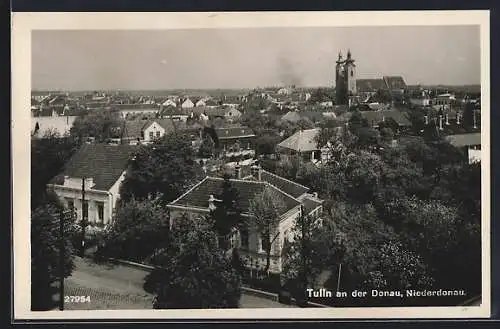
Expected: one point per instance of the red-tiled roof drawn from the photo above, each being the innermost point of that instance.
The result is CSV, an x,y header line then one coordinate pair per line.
x,y
199,194
102,162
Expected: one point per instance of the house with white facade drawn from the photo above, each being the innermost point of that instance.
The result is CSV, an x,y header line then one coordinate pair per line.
x,y
470,143
169,102
99,169
40,126
146,131
130,110
187,104
232,114
204,197
303,144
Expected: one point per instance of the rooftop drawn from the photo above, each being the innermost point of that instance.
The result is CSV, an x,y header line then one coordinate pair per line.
x,y
247,189
302,140
102,162
462,140
234,132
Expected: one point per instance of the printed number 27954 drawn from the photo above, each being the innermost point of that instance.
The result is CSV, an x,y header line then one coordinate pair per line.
x,y
77,299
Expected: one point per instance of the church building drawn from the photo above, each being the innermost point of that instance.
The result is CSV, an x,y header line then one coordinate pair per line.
x,y
345,80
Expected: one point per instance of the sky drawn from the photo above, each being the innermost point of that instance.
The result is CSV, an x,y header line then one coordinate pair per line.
x,y
250,57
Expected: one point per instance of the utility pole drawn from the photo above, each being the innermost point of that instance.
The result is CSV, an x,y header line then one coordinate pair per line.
x,y
339,241
84,221
61,261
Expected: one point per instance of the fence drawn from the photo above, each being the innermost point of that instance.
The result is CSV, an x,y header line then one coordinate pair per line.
x,y
246,290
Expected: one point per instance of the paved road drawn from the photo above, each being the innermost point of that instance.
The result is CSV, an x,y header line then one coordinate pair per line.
x,y
113,286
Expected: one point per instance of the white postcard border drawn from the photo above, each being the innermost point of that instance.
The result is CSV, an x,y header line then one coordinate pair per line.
x,y
24,23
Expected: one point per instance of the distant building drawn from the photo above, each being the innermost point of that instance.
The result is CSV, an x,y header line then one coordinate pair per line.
x,y
232,114
146,131
349,89
102,168
53,124
345,79
303,144
291,116
471,143
129,110
169,102
233,144
187,103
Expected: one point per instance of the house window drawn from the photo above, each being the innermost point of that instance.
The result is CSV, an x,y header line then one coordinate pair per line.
x,y
85,209
264,241
100,212
151,135
142,134
244,238
70,203
157,134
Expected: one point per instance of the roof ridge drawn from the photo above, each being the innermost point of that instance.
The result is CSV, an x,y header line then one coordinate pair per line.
x,y
285,179
281,191
189,190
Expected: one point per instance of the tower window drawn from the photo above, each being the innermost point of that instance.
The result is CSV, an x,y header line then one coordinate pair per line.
x,y
352,73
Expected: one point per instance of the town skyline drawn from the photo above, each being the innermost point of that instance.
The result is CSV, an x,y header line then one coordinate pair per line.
x,y
93,60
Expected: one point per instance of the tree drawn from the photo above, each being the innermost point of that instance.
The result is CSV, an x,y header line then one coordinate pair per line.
x,y
101,124
321,95
207,148
447,242
139,229
353,235
399,269
166,167
195,271
265,209
46,251
227,213
303,259
266,144
48,157
382,96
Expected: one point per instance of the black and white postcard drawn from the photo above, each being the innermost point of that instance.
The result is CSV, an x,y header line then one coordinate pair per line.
x,y
285,165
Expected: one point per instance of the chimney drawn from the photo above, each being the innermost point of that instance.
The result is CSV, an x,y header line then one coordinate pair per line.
x,y
458,118
257,172
211,202
440,122
237,171
447,118
426,118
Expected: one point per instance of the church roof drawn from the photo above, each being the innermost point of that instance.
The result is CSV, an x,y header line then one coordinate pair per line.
x,y
395,82
370,85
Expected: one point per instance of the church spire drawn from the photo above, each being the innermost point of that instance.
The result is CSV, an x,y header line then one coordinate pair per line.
x,y
349,54
340,58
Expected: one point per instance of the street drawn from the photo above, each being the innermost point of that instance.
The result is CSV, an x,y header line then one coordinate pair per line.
x,y
113,286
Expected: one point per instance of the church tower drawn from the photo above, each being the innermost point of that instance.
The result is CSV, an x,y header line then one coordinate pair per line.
x,y
350,74
340,87
345,79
